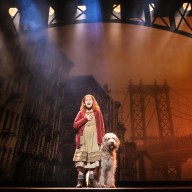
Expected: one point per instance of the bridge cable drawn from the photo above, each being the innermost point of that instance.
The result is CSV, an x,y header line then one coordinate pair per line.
x,y
181,112
182,96
181,117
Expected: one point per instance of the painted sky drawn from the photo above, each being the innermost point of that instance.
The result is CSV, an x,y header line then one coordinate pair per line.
x,y
117,53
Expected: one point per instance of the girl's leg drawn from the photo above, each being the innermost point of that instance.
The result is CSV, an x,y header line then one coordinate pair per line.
x,y
81,177
91,178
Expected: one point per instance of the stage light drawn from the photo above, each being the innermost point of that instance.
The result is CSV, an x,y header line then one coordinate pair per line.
x,y
187,5
117,8
82,8
13,11
51,11
151,6
80,13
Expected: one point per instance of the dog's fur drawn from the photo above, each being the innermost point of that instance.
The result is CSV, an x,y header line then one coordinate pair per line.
x,y
105,175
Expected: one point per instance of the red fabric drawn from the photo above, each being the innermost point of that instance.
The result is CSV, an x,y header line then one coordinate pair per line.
x,y
80,122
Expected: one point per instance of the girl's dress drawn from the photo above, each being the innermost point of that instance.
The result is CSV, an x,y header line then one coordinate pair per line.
x,y
88,155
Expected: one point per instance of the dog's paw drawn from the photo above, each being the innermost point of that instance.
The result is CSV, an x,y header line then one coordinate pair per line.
x,y
97,185
103,186
112,186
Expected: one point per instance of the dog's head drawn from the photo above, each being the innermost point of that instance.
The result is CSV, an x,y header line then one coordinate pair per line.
x,y
111,141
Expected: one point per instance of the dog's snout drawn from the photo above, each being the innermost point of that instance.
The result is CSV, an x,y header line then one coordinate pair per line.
x,y
112,144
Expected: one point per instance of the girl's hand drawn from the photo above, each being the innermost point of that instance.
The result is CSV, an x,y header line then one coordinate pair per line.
x,y
89,116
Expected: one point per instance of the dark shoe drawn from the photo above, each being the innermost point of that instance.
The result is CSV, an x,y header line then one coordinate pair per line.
x,y
80,183
91,183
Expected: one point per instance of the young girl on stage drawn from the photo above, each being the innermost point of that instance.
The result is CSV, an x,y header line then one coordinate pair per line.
x,y
90,131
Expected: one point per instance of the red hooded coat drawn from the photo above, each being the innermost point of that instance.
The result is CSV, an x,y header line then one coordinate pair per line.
x,y
80,122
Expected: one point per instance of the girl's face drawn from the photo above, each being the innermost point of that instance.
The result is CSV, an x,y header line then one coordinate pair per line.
x,y
88,102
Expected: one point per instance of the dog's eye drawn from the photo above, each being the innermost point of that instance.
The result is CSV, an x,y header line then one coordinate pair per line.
x,y
114,138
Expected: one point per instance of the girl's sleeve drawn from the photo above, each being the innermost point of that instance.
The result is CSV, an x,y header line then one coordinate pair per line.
x,y
79,120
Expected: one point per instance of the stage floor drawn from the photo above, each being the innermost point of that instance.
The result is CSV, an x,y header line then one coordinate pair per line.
x,y
135,189
136,186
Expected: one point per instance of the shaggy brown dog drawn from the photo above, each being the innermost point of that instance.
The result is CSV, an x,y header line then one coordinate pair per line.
x,y
105,175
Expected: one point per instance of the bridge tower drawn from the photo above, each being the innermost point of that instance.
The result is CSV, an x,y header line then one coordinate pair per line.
x,y
160,93
138,94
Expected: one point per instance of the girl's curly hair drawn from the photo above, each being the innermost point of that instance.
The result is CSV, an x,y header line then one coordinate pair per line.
x,y
95,104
